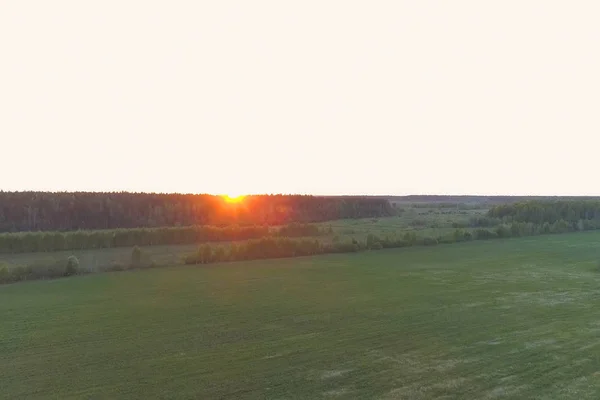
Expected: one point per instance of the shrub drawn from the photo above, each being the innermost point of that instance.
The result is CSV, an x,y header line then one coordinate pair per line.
x,y
389,242
560,226
72,266
517,229
220,254
460,235
447,239
136,257
410,238
206,254
203,255
4,274
401,243
377,246
418,222
19,273
546,227
297,230
484,234
504,231
371,240
428,241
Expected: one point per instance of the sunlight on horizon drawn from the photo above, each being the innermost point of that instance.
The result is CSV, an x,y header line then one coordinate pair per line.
x,y
233,198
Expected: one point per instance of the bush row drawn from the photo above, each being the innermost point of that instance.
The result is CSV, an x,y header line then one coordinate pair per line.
x,y
558,226
272,247
286,247
41,270
28,242
51,269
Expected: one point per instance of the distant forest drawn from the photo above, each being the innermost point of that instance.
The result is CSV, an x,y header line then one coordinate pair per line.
x,y
63,211
481,200
539,212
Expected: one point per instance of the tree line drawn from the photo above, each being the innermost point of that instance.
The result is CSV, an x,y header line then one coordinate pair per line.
x,y
68,211
574,212
274,247
27,242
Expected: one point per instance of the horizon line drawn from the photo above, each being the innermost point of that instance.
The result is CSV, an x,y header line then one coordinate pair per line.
x,y
301,194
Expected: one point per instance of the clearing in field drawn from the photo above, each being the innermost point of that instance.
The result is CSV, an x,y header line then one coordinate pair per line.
x,y
511,318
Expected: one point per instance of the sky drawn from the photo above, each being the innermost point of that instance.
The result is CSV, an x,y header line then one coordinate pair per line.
x,y
317,97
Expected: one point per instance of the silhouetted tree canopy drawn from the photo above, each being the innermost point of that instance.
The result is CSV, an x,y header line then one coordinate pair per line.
x,y
540,212
64,211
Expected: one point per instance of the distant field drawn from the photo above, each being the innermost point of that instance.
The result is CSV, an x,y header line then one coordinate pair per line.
x,y
514,318
426,221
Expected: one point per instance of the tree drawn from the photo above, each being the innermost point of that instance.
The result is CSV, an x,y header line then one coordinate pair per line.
x,y
136,257
72,267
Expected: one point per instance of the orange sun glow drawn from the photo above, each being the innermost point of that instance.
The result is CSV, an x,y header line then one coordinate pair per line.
x,y
233,198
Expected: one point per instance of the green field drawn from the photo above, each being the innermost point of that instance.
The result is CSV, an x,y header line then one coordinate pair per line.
x,y
516,318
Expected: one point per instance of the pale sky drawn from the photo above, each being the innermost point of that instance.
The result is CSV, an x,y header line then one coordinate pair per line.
x,y
321,97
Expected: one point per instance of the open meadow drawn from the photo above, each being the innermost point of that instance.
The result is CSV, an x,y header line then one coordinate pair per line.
x,y
510,319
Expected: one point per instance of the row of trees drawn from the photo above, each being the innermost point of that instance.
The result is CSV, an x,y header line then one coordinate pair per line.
x,y
46,211
518,229
287,247
545,226
26,242
539,212
273,247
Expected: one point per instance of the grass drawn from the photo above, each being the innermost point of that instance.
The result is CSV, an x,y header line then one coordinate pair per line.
x,y
513,318
425,222
98,259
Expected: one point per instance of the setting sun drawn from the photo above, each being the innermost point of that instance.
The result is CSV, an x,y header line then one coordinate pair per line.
x,y
233,198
